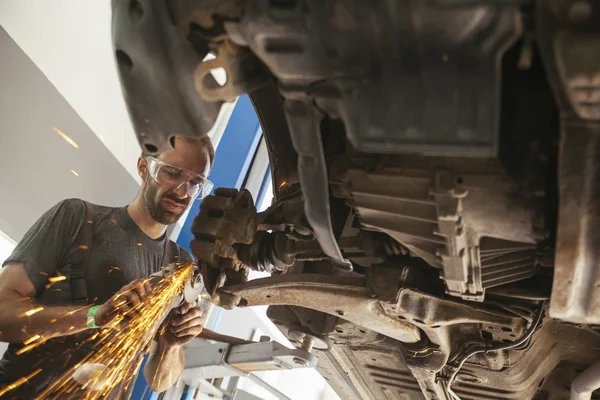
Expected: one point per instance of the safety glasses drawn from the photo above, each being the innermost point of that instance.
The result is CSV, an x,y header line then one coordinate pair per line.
x,y
174,178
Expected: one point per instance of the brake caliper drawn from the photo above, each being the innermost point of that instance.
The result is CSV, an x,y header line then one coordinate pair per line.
x,y
226,220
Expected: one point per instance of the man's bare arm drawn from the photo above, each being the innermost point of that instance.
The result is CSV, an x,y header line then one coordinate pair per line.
x,y
164,365
16,326
20,319
167,360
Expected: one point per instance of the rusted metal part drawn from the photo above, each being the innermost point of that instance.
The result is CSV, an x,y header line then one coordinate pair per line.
x,y
441,212
278,251
347,298
203,23
226,220
304,121
378,303
286,214
143,30
241,76
569,40
393,313
429,311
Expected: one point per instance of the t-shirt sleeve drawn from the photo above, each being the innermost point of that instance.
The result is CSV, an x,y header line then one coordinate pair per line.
x,y
47,242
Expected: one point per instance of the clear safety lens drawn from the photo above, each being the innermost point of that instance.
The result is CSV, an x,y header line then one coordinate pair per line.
x,y
175,177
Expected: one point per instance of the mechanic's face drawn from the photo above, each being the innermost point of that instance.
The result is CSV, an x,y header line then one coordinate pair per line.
x,y
166,205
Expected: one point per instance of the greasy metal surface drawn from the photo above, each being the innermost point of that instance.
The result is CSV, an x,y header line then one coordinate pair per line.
x,y
226,218
240,80
316,50
158,90
368,367
283,158
569,37
478,227
443,60
304,119
428,310
347,298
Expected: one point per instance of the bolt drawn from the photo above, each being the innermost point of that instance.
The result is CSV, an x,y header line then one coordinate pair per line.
x,y
308,343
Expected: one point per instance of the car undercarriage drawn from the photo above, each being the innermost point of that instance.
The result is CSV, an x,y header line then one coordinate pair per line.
x,y
436,168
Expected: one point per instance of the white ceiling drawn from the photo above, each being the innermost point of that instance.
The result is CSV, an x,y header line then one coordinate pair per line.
x,y
70,41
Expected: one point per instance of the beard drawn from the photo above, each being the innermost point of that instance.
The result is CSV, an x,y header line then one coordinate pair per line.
x,y
157,210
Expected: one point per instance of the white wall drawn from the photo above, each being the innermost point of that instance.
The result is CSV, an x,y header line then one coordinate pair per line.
x,y
36,162
70,41
6,247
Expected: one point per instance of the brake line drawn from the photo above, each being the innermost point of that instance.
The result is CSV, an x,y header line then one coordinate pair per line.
x,y
523,339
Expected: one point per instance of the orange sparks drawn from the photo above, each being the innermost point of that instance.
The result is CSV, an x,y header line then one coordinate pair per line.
x,y
76,310
44,273
82,247
29,347
139,244
24,299
89,221
54,279
67,139
114,221
53,320
29,313
119,350
32,339
19,382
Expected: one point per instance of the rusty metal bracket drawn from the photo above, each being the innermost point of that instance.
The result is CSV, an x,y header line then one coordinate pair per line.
x,y
347,298
569,41
397,314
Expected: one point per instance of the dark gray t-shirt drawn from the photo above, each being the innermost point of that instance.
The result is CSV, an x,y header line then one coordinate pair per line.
x,y
120,253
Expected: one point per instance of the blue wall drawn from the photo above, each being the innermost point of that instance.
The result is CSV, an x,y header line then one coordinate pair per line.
x,y
232,159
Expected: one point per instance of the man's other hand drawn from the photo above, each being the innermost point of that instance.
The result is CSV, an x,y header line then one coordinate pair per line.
x,y
183,325
125,302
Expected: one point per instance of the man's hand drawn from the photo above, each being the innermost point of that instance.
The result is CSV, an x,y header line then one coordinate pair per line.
x,y
125,302
183,325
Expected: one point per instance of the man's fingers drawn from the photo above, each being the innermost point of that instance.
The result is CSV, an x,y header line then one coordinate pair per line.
x,y
188,316
126,303
186,325
147,286
192,331
186,307
140,290
183,340
133,299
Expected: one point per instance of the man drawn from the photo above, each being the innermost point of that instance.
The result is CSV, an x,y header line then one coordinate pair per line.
x,y
127,245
